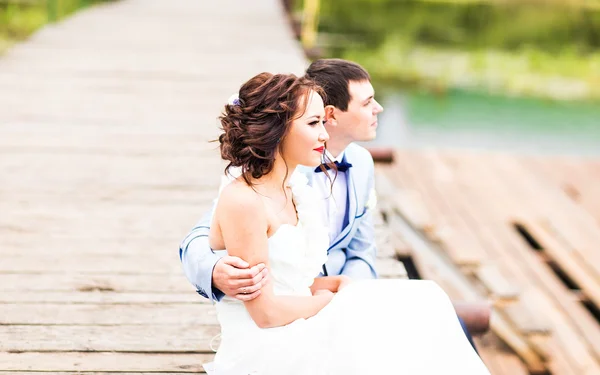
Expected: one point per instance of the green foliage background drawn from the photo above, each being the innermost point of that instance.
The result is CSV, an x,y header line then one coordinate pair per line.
x,y
549,50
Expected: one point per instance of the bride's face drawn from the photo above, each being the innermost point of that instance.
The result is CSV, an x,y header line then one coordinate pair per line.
x,y
304,144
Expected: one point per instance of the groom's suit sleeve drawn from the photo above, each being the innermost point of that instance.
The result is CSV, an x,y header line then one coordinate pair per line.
x,y
362,251
199,260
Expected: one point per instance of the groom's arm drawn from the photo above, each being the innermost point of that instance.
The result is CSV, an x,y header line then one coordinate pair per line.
x,y
199,260
362,251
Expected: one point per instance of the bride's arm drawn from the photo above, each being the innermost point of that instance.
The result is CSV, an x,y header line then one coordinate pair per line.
x,y
242,220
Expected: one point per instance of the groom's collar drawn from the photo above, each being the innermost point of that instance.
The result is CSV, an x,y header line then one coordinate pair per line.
x,y
339,158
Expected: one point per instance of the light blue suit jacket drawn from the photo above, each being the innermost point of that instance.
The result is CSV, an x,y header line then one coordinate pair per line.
x,y
352,253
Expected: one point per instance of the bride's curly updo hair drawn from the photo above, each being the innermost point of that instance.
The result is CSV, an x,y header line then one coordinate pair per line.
x,y
257,121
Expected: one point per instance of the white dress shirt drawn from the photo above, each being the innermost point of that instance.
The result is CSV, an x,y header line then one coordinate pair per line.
x,y
334,207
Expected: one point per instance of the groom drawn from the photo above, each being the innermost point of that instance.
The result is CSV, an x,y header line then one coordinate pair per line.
x,y
351,116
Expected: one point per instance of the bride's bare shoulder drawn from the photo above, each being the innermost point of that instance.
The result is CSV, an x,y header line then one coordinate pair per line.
x,y
240,199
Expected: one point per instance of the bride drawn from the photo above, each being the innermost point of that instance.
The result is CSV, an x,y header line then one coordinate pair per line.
x,y
269,214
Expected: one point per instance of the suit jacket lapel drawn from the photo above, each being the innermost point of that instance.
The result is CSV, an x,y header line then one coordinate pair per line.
x,y
351,205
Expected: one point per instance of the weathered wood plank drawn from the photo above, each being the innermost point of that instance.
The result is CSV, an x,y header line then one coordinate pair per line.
x,y
498,284
526,321
99,297
107,314
93,373
45,282
390,268
516,199
154,263
119,338
103,362
564,257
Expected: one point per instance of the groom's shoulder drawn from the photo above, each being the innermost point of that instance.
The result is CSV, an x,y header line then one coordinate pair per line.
x,y
359,155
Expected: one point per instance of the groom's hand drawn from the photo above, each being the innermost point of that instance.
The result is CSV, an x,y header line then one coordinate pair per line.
x,y
237,279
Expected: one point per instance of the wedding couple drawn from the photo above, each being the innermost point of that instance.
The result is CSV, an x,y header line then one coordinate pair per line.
x,y
296,291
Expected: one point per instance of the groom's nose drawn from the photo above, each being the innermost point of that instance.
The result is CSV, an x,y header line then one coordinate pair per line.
x,y
378,107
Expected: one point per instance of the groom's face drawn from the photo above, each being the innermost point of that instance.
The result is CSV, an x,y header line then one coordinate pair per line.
x,y
359,122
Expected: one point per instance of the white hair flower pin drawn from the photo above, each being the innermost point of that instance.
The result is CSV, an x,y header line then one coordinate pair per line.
x,y
234,100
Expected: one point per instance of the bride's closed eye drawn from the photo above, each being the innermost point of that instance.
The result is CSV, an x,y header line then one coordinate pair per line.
x,y
316,122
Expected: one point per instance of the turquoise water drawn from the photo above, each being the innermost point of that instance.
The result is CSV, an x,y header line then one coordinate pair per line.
x,y
477,121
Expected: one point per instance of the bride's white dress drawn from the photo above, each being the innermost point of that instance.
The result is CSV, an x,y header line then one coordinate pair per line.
x,y
370,327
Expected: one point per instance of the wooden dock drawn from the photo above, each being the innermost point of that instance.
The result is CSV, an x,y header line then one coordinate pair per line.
x,y
106,163
521,231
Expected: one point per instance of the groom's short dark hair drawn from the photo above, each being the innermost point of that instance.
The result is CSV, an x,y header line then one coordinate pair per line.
x,y
334,75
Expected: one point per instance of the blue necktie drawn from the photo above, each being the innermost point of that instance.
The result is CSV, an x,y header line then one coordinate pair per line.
x,y
341,166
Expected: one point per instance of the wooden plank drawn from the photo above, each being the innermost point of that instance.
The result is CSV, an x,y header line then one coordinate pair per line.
x,y
93,373
107,314
497,275
535,362
580,236
383,236
558,361
497,283
401,247
524,319
103,362
488,356
531,270
513,197
438,268
510,365
460,242
120,338
581,356
410,183
98,297
69,139
408,200
390,268
564,257
568,219
577,179
142,283
555,297
159,263
97,171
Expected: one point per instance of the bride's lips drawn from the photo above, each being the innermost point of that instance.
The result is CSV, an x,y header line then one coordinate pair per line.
x,y
319,149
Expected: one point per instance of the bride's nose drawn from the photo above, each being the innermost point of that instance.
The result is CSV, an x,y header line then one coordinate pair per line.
x,y
323,137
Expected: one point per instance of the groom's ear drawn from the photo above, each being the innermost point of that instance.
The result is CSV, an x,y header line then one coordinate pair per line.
x,y
330,116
